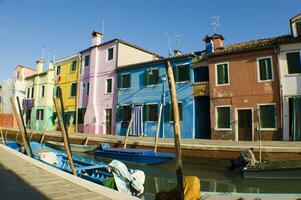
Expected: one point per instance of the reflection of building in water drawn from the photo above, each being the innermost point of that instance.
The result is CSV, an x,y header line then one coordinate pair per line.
x,y
213,185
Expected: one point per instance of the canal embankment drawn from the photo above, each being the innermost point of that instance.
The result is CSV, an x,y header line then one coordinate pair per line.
x,y
225,149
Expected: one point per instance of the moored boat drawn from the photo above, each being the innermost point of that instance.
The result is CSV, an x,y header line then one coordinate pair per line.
x,y
74,147
141,156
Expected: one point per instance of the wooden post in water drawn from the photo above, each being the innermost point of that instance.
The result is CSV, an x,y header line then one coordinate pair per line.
x,y
127,131
158,128
23,134
177,128
65,134
259,133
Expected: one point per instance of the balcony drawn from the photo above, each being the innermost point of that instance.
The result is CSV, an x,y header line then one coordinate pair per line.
x,y
201,88
28,104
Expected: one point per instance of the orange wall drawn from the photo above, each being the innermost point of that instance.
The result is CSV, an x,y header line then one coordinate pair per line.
x,y
8,121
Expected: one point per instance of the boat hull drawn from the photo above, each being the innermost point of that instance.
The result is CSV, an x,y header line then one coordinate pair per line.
x,y
74,147
281,173
141,156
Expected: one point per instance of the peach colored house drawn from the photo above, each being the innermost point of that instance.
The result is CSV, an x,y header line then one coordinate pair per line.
x,y
244,90
98,83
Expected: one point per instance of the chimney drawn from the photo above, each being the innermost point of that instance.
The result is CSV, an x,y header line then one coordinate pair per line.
x,y
295,25
177,52
39,66
208,44
96,38
218,41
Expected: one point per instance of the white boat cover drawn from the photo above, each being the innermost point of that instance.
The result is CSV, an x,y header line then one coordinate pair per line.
x,y
127,181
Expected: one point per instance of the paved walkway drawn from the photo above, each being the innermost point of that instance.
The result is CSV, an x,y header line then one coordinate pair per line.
x,y
20,179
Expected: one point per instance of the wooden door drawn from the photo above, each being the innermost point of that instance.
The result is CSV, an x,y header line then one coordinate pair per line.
x,y
109,121
245,125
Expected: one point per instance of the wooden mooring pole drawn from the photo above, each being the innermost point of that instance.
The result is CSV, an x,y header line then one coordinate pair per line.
x,y
177,128
64,133
127,131
20,124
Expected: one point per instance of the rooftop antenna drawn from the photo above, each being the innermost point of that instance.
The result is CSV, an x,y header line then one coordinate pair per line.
x,y
53,58
169,43
177,41
103,28
215,22
48,57
43,52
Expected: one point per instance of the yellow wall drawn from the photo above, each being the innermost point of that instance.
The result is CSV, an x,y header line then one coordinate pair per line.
x,y
67,77
129,55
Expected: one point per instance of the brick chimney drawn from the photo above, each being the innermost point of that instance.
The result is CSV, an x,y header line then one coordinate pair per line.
x,y
96,38
39,66
218,41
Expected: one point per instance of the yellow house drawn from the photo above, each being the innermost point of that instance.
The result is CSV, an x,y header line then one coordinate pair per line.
x,y
66,74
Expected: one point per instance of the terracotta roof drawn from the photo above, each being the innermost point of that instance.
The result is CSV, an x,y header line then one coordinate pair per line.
x,y
255,44
44,72
197,53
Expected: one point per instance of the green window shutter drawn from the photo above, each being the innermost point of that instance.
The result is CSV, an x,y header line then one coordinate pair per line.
x,y
223,117
146,78
119,81
222,74
293,62
180,111
167,113
176,73
129,80
146,113
267,116
156,76
265,69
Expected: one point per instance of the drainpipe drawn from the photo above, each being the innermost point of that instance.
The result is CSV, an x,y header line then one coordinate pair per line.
x,y
77,92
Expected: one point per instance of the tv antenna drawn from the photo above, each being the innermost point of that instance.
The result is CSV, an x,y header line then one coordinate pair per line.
x,y
177,41
103,27
215,22
169,43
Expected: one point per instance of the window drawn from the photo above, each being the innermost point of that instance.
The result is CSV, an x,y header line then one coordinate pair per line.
x,y
124,81
18,74
28,93
87,88
58,70
182,73
73,66
57,90
293,62
298,28
109,86
110,53
125,113
265,68
87,60
151,112
42,91
169,114
40,114
267,116
223,117
151,77
73,90
81,115
222,74
32,92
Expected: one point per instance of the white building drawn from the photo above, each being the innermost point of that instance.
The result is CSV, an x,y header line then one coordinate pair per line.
x,y
290,76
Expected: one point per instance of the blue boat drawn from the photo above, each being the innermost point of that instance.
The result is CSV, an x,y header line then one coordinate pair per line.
x,y
141,156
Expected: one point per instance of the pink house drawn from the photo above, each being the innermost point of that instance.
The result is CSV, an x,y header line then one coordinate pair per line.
x,y
98,82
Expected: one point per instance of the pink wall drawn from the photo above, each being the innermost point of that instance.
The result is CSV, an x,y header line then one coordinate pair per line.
x,y
96,74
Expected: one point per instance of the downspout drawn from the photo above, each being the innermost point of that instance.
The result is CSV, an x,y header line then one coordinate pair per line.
x,y
77,92
277,52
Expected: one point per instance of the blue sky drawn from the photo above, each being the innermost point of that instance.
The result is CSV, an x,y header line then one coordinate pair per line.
x,y
63,27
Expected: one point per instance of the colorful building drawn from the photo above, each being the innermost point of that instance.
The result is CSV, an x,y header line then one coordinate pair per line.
x,y
143,88
98,88
244,89
38,104
290,75
66,76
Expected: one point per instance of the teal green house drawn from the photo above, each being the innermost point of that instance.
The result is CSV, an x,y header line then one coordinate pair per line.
x,y
38,103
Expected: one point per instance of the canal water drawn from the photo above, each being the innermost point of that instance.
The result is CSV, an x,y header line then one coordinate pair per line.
x,y
214,176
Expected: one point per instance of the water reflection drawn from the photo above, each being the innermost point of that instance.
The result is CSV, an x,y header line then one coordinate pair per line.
x,y
214,178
